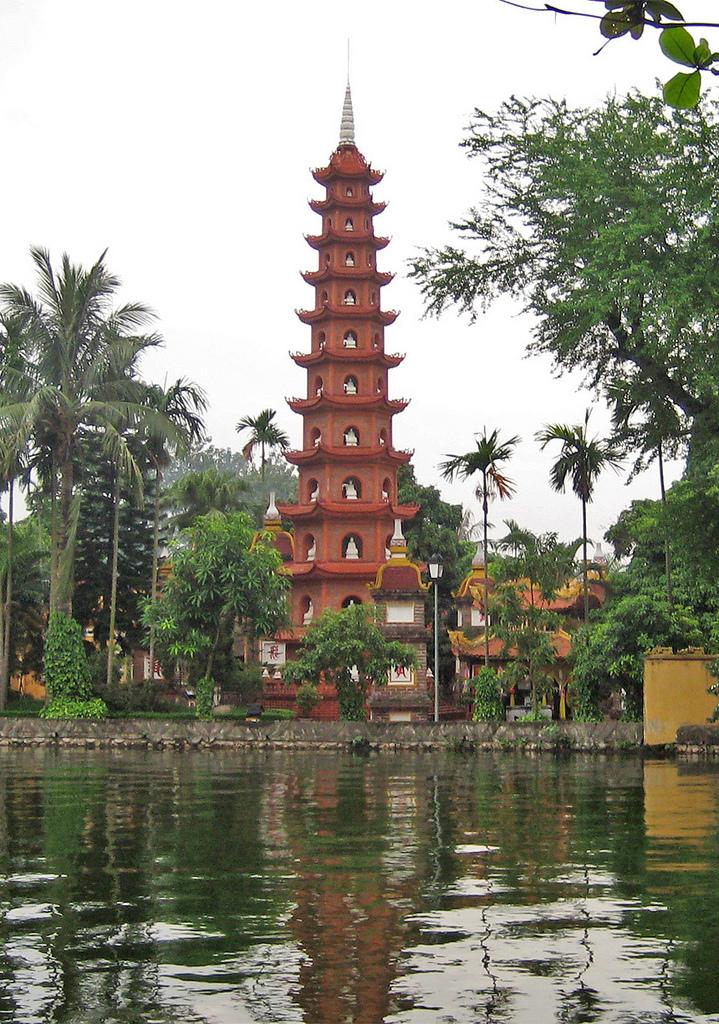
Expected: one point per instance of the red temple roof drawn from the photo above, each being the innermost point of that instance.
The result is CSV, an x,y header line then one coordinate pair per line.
x,y
342,508
350,355
380,453
359,202
334,235
349,402
327,272
346,162
328,312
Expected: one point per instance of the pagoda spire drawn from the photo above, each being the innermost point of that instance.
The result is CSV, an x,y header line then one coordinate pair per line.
x,y
347,124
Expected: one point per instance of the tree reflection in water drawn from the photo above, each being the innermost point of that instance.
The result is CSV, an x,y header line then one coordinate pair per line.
x,y
315,888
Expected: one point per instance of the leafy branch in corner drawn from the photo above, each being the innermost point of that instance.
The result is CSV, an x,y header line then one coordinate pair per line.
x,y
630,18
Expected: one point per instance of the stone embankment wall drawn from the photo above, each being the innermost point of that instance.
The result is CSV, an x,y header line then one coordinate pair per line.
x,y
304,734
698,740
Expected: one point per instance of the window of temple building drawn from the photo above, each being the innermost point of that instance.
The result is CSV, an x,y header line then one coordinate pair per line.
x,y
324,297
327,259
310,548
350,386
321,339
380,385
349,191
313,490
351,437
349,226
386,489
316,436
351,489
352,547
349,601
306,609
350,299
375,341
373,298
400,611
477,617
350,340
382,438
319,384
349,259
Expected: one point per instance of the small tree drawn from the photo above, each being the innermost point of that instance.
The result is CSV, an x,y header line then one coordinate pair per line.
x,y
488,705
220,576
528,577
350,651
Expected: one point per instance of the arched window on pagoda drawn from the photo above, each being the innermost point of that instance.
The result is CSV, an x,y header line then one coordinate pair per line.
x,y
370,259
380,385
306,609
350,386
313,490
351,437
352,547
350,340
375,341
350,298
352,599
321,339
327,259
373,299
382,438
310,548
324,299
349,226
386,489
351,489
319,385
349,191
316,437
349,259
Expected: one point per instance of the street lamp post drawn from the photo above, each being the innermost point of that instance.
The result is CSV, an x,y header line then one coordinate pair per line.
x,y
436,568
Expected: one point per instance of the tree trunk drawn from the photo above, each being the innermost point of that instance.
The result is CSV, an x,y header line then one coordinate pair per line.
x,y
485,511
585,582
5,663
213,651
113,585
667,548
65,554
262,465
155,559
53,536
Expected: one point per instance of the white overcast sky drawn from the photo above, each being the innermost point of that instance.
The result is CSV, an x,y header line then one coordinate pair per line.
x,y
179,135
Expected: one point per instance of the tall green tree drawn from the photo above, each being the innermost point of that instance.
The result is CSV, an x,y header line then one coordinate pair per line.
x,y
349,650
264,434
601,222
200,493
80,372
485,462
581,460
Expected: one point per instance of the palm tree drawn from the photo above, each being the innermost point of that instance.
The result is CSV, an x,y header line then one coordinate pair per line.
x,y
199,494
581,459
182,404
265,434
658,434
485,461
80,372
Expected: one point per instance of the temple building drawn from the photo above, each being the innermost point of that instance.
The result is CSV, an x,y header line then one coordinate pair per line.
x,y
347,546
468,639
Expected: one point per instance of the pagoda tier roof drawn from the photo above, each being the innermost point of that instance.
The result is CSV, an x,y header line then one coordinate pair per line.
x,y
332,235
341,509
473,647
349,402
322,453
344,567
327,273
354,202
347,355
313,316
347,162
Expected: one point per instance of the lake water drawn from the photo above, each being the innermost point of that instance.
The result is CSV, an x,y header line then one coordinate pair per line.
x,y
407,889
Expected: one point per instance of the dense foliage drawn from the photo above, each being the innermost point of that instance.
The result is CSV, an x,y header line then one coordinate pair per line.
x,y
66,669
348,649
219,578
488,706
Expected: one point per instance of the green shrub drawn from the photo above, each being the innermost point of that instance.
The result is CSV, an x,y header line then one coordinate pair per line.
x,y
308,697
67,707
131,697
488,705
204,690
244,679
66,669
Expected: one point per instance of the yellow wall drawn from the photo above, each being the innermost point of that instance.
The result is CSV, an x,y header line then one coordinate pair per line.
x,y
29,685
675,693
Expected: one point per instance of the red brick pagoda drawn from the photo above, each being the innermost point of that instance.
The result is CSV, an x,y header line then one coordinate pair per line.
x,y
344,520
347,466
